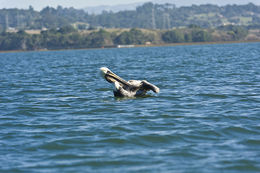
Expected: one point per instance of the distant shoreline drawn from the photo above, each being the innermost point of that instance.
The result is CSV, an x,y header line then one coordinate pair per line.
x,y
135,46
197,43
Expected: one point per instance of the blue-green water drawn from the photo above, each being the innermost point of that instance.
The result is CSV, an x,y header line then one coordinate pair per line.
x,y
58,115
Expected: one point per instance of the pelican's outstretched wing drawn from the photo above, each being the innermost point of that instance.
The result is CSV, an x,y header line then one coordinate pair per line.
x,y
148,86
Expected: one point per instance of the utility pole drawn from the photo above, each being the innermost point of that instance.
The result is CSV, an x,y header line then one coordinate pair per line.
x,y
153,19
6,22
18,20
166,20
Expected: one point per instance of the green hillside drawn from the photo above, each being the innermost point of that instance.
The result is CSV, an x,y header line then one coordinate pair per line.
x,y
149,16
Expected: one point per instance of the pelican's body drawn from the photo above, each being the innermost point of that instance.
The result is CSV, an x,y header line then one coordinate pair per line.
x,y
131,88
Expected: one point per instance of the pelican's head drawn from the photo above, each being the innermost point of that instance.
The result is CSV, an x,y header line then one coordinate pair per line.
x,y
104,71
110,76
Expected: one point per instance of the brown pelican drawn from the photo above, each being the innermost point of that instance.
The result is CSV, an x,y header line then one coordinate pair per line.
x,y
131,88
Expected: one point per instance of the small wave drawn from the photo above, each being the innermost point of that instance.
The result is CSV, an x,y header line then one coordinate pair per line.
x,y
218,96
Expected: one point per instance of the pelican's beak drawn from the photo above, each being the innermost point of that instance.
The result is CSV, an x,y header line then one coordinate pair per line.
x,y
110,76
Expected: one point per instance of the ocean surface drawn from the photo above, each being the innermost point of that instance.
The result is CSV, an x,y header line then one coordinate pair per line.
x,y
57,114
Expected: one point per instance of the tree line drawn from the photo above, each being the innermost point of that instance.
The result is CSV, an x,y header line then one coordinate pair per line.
x,y
68,37
148,15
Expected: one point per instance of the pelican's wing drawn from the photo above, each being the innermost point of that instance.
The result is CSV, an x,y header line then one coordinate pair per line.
x,y
148,86
120,91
